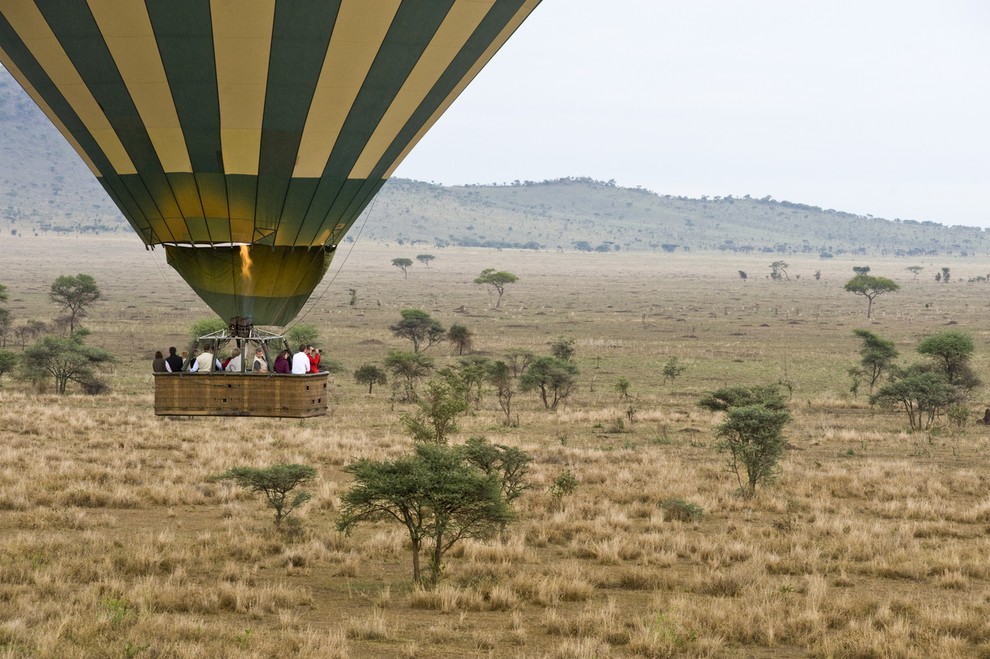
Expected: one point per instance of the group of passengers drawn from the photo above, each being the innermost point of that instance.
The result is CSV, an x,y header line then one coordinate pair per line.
x,y
307,360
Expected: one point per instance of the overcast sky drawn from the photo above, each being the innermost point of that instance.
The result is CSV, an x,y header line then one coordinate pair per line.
x,y
876,107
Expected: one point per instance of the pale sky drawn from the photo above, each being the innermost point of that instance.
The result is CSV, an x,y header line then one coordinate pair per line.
x,y
876,107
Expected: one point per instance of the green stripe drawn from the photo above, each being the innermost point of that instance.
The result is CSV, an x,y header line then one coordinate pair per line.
x,y
410,33
185,41
487,31
122,197
298,198
356,202
351,203
300,35
42,83
338,213
81,39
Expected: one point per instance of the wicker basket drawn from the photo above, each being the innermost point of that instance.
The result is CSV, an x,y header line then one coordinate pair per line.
x,y
240,394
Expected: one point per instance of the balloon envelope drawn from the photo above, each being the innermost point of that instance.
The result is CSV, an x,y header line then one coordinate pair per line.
x,y
248,135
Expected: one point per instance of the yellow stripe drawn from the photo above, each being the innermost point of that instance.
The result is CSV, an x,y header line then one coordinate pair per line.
x,y
503,36
33,93
242,41
358,33
457,27
33,30
127,31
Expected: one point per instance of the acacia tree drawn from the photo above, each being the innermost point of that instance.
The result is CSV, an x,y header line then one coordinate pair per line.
x,y
419,327
66,359
370,375
922,394
877,355
275,482
753,435
914,270
778,270
469,376
303,334
519,359
408,368
436,418
8,361
5,318
404,265
461,337
497,280
951,351
673,369
622,386
554,378
510,465
436,493
74,294
563,348
871,287
500,377
32,329
425,259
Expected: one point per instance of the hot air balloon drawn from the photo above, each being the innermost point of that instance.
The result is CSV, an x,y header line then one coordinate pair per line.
x,y
246,136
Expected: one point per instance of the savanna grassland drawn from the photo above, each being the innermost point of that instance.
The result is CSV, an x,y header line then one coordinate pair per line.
x,y
873,542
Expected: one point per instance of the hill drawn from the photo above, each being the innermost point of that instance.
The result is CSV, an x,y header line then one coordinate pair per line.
x,y
45,187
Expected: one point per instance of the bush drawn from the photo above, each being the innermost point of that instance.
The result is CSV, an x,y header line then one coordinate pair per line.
x,y
205,326
726,398
681,510
563,485
752,434
302,334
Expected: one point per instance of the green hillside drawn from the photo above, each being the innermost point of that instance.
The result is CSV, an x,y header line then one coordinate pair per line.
x,y
579,213
44,186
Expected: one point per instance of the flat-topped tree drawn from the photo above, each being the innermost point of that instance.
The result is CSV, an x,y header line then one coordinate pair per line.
x,y
425,259
74,293
419,327
404,265
871,287
497,280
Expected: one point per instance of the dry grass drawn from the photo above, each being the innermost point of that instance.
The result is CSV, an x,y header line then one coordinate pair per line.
x,y
872,543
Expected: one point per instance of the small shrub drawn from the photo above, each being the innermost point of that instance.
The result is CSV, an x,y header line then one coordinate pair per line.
x,y
681,510
563,485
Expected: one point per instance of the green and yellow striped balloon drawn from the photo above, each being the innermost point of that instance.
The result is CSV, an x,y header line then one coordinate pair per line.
x,y
246,136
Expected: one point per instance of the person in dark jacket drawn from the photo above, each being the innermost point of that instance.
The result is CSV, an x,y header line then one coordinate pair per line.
x,y
158,365
282,363
173,363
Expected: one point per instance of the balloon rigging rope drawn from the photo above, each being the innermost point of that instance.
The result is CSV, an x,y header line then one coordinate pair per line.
x,y
326,288
161,271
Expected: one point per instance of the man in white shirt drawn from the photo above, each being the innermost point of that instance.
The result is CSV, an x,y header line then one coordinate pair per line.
x,y
204,363
300,362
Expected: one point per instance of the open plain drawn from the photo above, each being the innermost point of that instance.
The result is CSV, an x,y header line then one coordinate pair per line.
x,y
873,542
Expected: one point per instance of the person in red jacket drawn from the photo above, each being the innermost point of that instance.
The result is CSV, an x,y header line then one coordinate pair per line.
x,y
314,359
